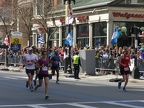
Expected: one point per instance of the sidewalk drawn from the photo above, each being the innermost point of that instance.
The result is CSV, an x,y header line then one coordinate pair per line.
x,y
105,77
84,76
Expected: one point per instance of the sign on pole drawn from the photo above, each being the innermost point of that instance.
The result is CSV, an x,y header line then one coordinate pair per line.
x,y
16,41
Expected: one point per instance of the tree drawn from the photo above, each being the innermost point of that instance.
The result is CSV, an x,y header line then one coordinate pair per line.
x,y
45,11
7,16
25,15
7,19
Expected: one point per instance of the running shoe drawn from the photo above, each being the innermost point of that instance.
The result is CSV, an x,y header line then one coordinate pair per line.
x,y
36,87
57,81
46,96
34,82
119,85
26,84
31,88
124,89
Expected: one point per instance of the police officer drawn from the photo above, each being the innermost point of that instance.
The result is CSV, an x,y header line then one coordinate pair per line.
x,y
76,64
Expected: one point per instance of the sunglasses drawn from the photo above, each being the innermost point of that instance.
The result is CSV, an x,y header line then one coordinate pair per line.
x,y
44,54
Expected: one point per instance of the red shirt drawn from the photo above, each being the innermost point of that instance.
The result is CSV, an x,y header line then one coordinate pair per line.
x,y
125,60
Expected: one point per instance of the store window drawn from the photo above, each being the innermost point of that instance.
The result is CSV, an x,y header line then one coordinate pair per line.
x,y
99,34
141,1
54,37
127,37
82,35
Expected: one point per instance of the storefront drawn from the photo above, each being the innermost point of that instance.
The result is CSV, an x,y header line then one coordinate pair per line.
x,y
95,26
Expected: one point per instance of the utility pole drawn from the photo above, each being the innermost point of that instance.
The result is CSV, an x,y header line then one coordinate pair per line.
x,y
69,13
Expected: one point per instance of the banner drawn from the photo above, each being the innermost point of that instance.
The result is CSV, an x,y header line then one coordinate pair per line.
x,y
16,41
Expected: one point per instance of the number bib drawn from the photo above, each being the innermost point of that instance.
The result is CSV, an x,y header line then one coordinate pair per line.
x,y
126,69
30,63
44,68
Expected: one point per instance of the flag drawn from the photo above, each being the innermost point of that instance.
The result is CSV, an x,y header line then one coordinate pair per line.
x,y
70,19
115,35
69,39
6,40
40,39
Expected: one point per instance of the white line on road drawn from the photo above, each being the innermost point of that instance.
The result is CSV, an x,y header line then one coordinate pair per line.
x,y
79,105
124,105
36,106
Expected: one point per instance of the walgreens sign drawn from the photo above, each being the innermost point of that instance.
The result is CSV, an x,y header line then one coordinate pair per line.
x,y
127,15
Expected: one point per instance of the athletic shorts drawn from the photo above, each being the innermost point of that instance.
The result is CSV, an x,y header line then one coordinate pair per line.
x,y
55,68
122,71
36,69
30,71
41,76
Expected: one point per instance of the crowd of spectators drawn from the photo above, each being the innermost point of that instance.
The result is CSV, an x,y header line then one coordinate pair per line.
x,y
105,52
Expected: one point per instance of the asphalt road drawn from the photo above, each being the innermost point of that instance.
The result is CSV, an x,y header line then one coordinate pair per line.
x,y
70,93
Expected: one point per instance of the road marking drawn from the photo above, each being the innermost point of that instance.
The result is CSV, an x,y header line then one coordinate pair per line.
x,y
36,106
80,105
124,105
9,77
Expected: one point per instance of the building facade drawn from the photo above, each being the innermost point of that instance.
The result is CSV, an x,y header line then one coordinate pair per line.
x,y
96,21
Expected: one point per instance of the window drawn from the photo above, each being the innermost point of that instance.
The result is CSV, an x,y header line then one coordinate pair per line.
x,y
38,7
140,1
100,29
83,30
126,36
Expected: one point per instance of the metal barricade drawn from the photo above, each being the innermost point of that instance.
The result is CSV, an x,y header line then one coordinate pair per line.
x,y
103,64
140,64
12,60
2,59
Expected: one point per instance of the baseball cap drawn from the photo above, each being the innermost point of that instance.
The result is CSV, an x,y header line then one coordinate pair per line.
x,y
30,48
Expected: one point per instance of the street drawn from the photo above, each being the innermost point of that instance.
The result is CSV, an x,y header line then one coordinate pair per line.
x,y
70,93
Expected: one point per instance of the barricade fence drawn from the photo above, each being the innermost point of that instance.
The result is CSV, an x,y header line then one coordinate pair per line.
x,y
12,60
106,64
101,64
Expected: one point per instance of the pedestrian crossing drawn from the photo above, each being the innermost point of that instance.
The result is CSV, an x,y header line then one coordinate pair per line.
x,y
99,104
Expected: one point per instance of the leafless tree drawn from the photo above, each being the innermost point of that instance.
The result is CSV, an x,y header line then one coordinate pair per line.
x,y
7,16
45,12
25,16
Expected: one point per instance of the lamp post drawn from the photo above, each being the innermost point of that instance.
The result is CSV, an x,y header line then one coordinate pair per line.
x,y
68,14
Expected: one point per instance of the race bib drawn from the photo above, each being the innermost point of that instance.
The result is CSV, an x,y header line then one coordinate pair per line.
x,y
30,63
44,68
126,69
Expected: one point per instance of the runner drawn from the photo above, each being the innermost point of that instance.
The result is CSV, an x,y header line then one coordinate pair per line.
x,y
36,69
43,64
55,59
124,61
29,60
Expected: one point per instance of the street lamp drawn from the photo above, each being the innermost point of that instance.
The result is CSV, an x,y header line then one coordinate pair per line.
x,y
68,2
